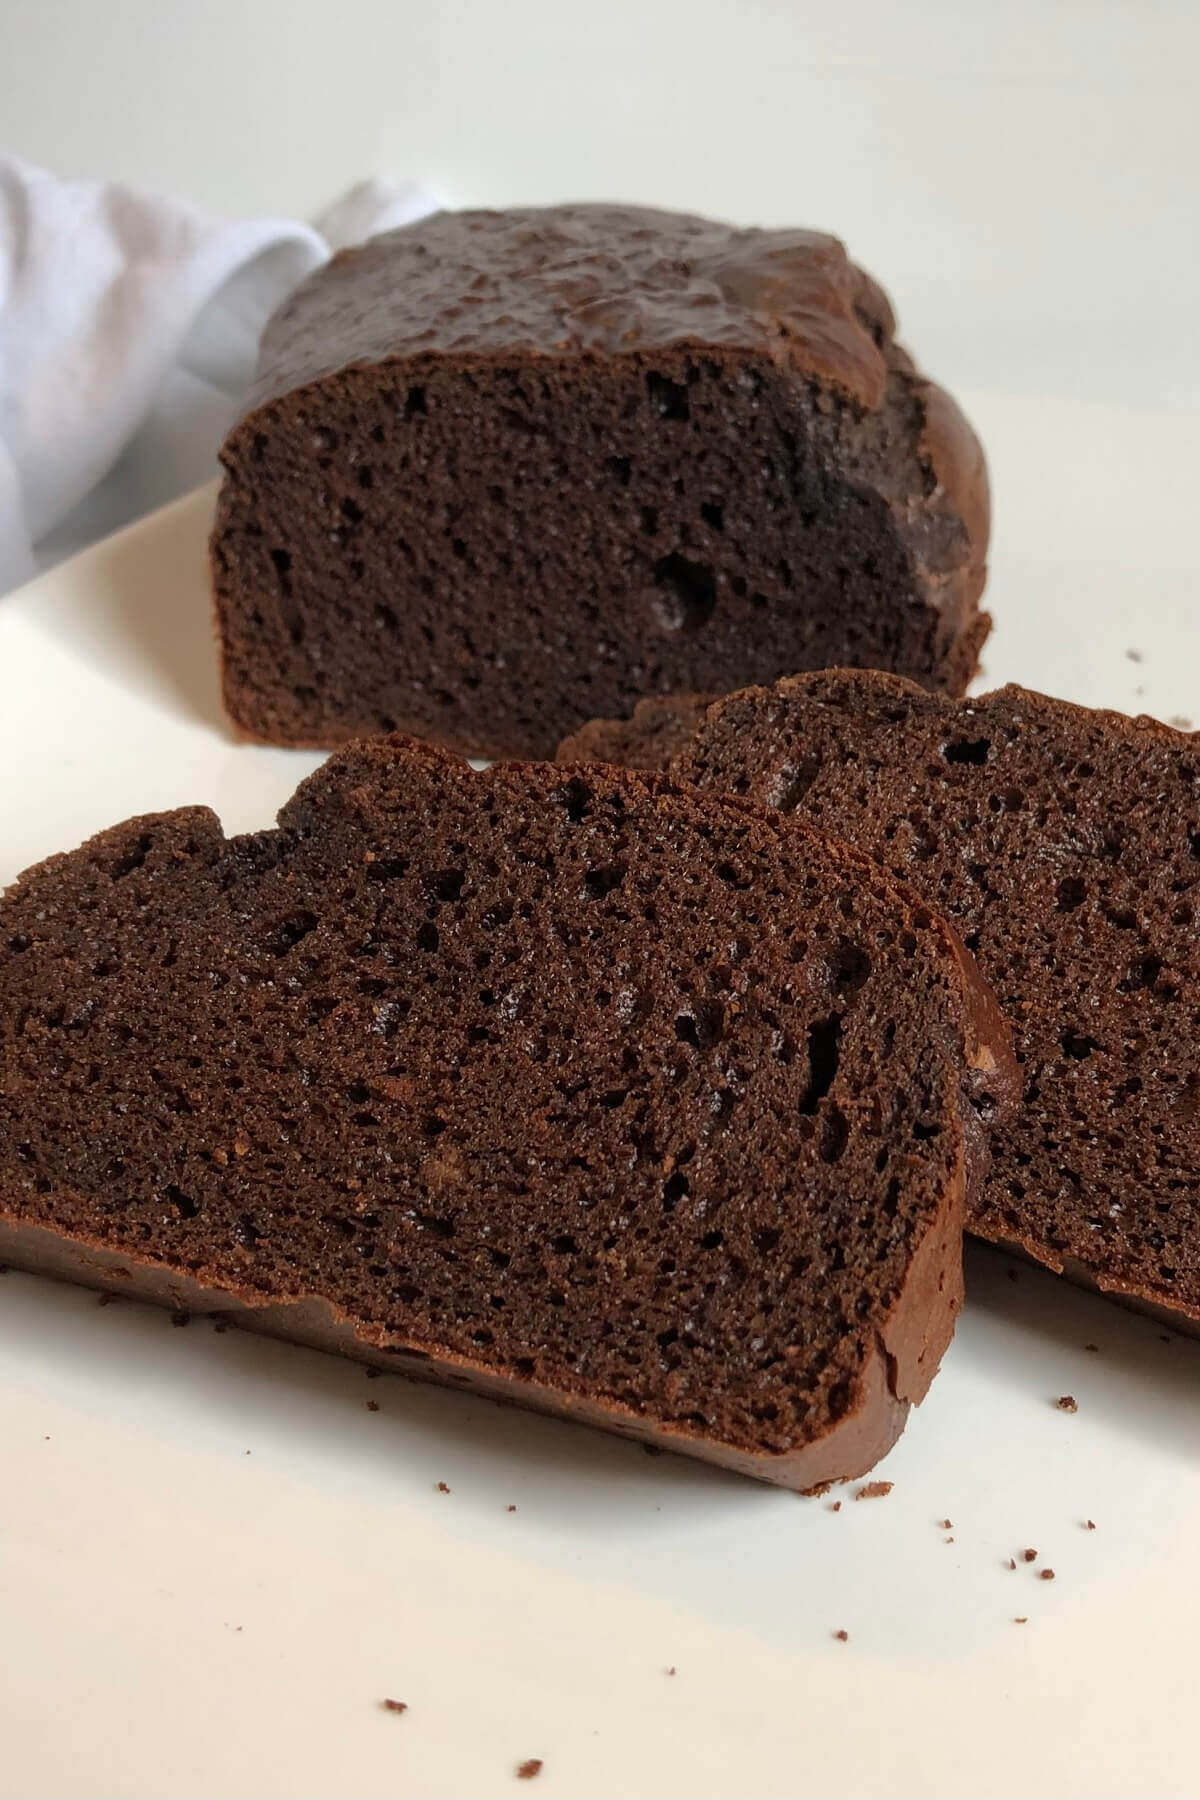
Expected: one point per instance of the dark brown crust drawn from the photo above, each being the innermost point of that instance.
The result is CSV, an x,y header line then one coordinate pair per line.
x,y
957,462
911,1333
520,283
908,1350
962,660
895,1377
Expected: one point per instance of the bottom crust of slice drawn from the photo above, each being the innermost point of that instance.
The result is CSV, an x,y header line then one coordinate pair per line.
x,y
853,1447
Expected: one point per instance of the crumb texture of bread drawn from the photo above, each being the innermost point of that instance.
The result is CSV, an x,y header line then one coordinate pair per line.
x,y
600,1095
1064,845
504,472
656,731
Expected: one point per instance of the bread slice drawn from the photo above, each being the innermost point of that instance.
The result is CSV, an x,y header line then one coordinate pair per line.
x,y
1064,844
584,1091
504,471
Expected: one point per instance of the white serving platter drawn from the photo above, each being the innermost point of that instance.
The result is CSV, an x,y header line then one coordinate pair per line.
x,y
216,1562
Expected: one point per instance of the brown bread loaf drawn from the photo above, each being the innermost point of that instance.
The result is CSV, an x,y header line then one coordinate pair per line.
x,y
503,472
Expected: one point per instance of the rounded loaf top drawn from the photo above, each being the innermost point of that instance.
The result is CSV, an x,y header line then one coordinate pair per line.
x,y
580,279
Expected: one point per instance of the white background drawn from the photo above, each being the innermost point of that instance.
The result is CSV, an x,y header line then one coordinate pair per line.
x,y
1021,176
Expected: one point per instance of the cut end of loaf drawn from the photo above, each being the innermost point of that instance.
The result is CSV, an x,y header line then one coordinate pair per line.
x,y
453,450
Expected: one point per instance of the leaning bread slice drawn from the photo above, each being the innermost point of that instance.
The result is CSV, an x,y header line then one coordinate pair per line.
x,y
579,1089
1064,844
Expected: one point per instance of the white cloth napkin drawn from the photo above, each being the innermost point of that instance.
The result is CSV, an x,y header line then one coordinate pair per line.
x,y
128,330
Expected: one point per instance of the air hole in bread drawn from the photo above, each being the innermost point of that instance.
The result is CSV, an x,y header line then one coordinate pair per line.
x,y
967,750
686,595
669,399
823,1054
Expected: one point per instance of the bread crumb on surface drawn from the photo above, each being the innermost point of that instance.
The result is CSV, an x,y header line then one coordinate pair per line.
x,y
529,1768
874,1490
1012,1274
372,1406
1089,1524
1094,1348
671,1670
946,1524
1046,1574
1134,655
181,1318
843,1637
1067,1403
1029,1555
835,1506
948,1540
1024,1621
1012,1562
442,1488
510,1507
394,1705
